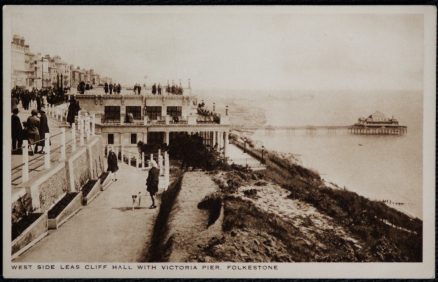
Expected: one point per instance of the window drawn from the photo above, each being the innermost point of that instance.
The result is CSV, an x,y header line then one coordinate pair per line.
x,y
112,113
134,110
133,138
174,112
110,138
153,113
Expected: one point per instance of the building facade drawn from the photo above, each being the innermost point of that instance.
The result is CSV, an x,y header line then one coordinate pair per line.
x,y
20,68
156,119
30,70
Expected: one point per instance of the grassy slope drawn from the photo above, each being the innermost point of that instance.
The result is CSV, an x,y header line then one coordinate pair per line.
x,y
400,240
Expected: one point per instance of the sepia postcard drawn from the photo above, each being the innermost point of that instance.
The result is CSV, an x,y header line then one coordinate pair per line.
x,y
219,141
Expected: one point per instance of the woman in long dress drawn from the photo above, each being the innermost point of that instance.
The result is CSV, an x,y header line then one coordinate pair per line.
x,y
112,163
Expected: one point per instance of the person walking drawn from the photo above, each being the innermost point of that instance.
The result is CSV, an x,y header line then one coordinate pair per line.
x,y
43,129
111,88
152,182
38,102
14,102
17,131
71,111
26,100
33,134
105,87
112,163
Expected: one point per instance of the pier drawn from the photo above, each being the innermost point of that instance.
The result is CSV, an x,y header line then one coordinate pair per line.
x,y
378,130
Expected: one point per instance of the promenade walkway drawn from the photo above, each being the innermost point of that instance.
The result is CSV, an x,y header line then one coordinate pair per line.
x,y
36,162
107,230
237,156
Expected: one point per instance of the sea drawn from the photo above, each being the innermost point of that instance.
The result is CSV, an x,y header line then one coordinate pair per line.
x,y
384,168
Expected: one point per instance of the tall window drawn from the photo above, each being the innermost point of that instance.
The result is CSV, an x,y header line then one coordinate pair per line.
x,y
133,138
110,138
174,112
134,110
154,112
112,113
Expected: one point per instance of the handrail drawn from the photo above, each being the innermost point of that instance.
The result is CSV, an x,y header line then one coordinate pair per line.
x,y
36,163
22,147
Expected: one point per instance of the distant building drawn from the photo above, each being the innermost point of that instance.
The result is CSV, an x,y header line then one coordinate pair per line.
x,y
34,70
21,68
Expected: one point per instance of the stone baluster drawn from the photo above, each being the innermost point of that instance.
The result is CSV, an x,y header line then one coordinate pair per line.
x,y
62,144
47,155
160,164
81,132
25,168
73,137
166,167
93,128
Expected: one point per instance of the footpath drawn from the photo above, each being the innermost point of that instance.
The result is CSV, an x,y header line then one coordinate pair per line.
x,y
107,230
36,162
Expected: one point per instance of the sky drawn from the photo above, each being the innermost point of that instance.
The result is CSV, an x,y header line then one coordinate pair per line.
x,y
233,49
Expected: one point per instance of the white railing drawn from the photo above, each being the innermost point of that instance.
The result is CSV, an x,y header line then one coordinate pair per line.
x,y
86,128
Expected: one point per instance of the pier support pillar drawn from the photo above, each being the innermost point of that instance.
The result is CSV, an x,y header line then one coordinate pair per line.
x,y
145,137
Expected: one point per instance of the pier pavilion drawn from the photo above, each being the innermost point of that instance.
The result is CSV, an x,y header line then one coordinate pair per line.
x,y
123,120
378,124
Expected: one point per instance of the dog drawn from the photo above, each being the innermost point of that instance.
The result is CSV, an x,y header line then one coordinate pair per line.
x,y
136,198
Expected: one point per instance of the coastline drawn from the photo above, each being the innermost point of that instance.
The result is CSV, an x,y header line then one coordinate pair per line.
x,y
286,213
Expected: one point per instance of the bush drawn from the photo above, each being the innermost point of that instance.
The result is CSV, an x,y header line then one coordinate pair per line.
x,y
193,153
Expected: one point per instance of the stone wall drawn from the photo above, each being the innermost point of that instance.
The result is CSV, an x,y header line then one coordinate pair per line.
x,y
80,171
52,189
41,193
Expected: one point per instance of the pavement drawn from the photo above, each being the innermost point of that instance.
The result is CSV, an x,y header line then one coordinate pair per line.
x,y
106,230
237,156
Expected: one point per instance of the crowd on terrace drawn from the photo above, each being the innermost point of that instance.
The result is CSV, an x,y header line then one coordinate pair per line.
x,y
157,89
42,97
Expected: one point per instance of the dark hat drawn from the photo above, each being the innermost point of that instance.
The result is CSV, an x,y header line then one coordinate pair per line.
x,y
34,112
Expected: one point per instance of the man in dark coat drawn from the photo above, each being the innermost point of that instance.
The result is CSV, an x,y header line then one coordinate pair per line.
x,y
152,182
71,111
111,88
154,89
17,131
25,100
39,102
14,102
112,163
32,125
105,87
43,129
